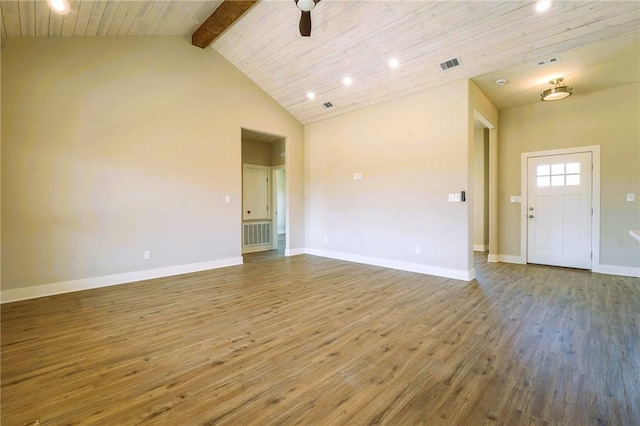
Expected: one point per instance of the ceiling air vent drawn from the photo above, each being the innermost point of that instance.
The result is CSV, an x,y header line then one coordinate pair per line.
x,y
451,63
327,105
549,61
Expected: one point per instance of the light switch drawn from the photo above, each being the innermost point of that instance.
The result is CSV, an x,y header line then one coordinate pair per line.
x,y
454,198
631,196
357,176
227,199
516,199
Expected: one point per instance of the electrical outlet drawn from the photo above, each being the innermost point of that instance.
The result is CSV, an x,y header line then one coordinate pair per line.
x,y
631,196
417,249
147,254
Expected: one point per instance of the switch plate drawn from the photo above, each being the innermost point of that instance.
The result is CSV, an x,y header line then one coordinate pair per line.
x,y
631,196
357,176
147,254
516,199
417,249
227,199
454,198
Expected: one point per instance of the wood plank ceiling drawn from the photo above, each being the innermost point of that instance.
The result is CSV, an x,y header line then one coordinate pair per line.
x,y
354,39
96,18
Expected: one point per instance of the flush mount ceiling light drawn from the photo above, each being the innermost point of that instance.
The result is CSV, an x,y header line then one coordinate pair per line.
x,y
558,92
311,95
394,63
347,81
61,7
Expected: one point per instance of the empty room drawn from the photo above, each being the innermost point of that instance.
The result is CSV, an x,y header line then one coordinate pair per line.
x,y
316,212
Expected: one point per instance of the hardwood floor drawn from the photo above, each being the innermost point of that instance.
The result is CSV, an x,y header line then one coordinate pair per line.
x,y
314,341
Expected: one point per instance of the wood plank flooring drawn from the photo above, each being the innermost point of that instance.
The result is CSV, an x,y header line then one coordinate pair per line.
x,y
314,341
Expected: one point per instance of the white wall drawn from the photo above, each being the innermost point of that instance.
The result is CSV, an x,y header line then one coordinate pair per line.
x,y
115,146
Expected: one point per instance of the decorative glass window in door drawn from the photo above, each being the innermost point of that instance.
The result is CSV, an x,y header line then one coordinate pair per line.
x,y
560,174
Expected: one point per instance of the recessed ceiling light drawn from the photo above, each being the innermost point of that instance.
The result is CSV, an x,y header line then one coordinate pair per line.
x,y
394,63
311,95
543,5
60,7
347,81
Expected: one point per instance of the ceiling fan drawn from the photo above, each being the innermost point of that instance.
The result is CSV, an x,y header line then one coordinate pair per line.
x,y
306,6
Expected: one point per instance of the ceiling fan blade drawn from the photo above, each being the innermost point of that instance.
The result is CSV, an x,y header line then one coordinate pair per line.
x,y
305,24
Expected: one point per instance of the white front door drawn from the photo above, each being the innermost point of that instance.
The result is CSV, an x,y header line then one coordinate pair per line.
x,y
559,210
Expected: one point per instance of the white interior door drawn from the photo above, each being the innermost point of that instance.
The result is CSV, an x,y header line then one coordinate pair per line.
x,y
255,192
559,209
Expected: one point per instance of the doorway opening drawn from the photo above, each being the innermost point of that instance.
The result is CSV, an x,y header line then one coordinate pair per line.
x,y
481,188
484,182
264,193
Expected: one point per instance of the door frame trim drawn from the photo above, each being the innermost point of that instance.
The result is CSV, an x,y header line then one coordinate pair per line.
x,y
274,202
595,197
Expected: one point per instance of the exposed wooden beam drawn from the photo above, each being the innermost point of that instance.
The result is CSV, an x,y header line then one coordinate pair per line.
x,y
221,19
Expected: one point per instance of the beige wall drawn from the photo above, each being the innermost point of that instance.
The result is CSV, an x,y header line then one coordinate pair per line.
x,y
1,47
411,153
256,152
263,153
278,153
116,146
607,118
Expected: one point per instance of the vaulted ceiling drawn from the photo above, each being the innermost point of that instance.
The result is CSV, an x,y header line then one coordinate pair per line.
x,y
595,43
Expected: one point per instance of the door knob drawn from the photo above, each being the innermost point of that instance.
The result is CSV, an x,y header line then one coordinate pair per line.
x,y
530,216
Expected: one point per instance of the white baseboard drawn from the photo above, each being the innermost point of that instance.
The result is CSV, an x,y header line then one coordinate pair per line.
x,y
33,292
506,258
625,271
255,249
294,252
480,247
395,264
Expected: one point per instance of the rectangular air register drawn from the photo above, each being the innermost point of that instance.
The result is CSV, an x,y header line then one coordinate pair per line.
x,y
327,105
451,63
256,233
549,61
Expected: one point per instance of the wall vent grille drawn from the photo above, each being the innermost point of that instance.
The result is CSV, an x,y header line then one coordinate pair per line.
x,y
327,105
256,233
451,63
